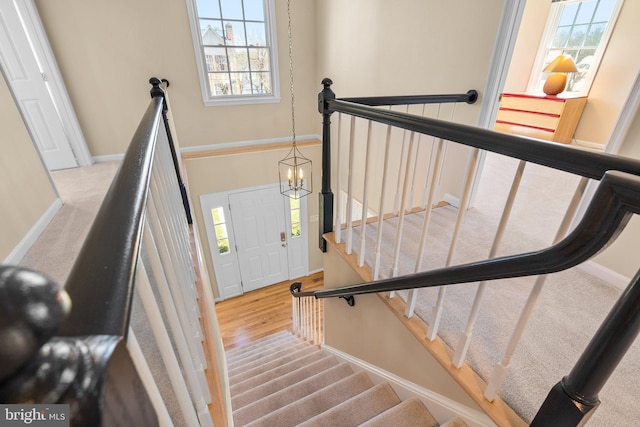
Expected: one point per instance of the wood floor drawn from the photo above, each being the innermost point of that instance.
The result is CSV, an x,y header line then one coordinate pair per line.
x,y
259,313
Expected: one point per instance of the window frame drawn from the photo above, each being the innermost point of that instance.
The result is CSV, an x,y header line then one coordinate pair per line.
x,y
548,35
201,63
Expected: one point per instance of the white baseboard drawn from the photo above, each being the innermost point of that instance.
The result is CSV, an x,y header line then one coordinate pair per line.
x,y
240,144
315,271
21,249
442,408
589,144
108,158
605,274
452,200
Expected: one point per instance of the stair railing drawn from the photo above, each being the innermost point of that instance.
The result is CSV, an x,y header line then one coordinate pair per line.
x,y
137,251
307,320
402,131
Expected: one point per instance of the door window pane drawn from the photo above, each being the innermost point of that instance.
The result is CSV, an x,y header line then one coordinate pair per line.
x,y
220,226
294,212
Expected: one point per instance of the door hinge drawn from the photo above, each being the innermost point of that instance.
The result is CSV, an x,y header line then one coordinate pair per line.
x,y
44,77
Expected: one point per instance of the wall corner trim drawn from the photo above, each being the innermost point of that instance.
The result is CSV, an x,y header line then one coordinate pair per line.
x,y
108,158
440,406
242,144
603,273
21,249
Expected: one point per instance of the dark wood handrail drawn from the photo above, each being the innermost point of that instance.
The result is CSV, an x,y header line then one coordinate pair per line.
x,y
616,199
558,156
571,400
100,283
470,97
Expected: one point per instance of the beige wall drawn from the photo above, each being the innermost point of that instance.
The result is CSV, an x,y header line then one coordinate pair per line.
x,y
377,47
609,92
243,170
369,331
613,81
623,256
108,50
25,189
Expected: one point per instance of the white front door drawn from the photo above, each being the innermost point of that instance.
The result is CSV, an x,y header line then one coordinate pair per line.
x,y
261,237
27,82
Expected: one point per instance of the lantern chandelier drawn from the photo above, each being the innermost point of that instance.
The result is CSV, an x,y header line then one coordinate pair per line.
x,y
294,170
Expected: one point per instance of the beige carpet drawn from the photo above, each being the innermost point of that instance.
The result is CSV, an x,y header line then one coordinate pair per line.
x,y
571,306
81,191
281,381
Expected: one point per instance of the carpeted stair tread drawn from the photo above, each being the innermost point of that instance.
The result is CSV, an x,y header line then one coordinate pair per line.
x,y
242,351
264,356
410,413
358,409
455,422
282,382
292,393
277,372
284,411
252,352
250,373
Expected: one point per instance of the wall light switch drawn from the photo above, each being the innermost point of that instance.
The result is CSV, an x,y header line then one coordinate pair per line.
x,y
313,218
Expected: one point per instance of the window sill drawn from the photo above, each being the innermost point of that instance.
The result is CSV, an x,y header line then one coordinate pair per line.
x,y
241,100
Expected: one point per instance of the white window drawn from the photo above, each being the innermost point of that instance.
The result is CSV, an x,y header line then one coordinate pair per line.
x,y
220,226
235,49
296,223
580,29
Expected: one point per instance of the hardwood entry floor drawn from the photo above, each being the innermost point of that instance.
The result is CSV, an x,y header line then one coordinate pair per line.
x,y
259,313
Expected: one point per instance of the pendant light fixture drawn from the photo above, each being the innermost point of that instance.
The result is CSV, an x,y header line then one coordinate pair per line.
x,y
294,170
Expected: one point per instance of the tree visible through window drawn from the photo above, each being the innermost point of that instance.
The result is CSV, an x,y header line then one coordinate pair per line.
x,y
580,29
296,228
220,225
235,38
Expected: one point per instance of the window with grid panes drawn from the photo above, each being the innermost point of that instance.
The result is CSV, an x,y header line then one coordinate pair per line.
x,y
580,29
235,50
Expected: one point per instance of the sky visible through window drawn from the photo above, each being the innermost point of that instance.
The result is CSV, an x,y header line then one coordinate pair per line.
x,y
236,46
578,33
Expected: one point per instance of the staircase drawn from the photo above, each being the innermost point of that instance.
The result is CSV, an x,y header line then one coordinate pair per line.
x,y
283,381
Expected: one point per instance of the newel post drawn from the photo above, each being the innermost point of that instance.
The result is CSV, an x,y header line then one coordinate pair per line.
x,y
572,401
326,195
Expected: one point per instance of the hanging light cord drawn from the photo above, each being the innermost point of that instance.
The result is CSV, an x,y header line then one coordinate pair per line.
x,y
293,115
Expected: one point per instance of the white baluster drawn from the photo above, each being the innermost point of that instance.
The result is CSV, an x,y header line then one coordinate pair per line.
x,y
416,158
432,329
350,187
294,319
314,328
500,371
383,192
195,375
164,419
403,154
181,391
188,320
338,216
437,163
365,199
465,336
398,238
